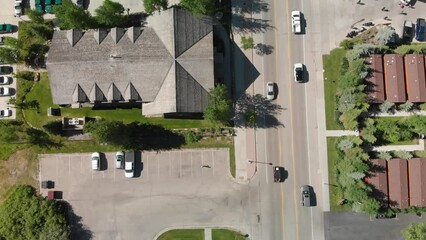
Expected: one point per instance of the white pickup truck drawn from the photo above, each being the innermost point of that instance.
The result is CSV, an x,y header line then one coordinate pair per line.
x,y
296,22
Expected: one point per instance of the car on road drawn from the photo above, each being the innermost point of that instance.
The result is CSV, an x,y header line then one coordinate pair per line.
x,y
18,8
270,91
407,34
6,28
305,192
5,70
420,29
5,91
296,21
5,112
5,80
298,71
96,161
279,174
129,164
119,159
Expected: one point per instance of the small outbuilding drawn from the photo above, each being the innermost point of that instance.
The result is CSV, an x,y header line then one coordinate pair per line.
x,y
378,178
375,79
415,78
398,183
417,179
394,78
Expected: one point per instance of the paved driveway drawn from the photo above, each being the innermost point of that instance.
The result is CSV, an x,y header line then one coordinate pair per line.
x,y
172,190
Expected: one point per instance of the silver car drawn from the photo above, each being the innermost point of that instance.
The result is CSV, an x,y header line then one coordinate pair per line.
x,y
270,91
119,159
5,80
305,192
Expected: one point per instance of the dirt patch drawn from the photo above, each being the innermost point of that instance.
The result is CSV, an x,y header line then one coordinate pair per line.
x,y
20,168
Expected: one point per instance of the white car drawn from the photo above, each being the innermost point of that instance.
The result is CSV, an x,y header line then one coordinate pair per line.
x,y
405,2
96,161
270,91
18,8
119,159
5,112
296,22
129,169
298,72
5,80
4,91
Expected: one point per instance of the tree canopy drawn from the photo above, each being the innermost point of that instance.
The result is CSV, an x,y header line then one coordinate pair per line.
x,y
154,5
199,7
27,216
219,109
70,16
415,231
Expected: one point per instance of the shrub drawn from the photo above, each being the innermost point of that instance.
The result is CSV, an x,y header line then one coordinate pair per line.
x,y
192,137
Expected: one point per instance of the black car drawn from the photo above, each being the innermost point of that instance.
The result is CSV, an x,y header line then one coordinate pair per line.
x,y
279,175
420,29
408,32
5,70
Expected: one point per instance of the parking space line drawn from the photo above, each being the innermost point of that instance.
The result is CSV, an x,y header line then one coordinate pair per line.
x,y
180,164
146,168
192,169
69,164
170,164
212,162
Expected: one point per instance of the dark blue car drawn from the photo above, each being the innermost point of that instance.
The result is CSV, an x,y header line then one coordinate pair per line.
x,y
420,29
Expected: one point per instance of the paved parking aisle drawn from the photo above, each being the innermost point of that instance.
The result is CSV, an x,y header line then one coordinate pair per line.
x,y
171,189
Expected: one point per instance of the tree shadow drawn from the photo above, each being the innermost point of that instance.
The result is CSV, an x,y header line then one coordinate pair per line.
x,y
262,107
41,139
242,24
264,49
78,230
150,137
53,127
253,6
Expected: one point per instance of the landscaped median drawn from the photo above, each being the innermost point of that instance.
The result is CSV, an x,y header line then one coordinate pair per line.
x,y
199,234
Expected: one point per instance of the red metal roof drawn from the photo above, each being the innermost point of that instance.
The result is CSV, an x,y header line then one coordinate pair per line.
x,y
398,183
379,179
376,88
394,78
417,177
415,77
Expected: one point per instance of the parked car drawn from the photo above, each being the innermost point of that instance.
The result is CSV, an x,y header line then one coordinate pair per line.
x,y
6,70
5,112
80,3
119,159
298,72
38,6
129,164
296,22
18,8
405,2
6,28
407,34
305,192
5,80
96,161
420,29
279,174
5,91
270,91
48,6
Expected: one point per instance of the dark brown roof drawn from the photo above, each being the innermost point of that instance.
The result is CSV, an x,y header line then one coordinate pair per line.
x,y
417,177
394,78
415,77
398,183
376,86
379,179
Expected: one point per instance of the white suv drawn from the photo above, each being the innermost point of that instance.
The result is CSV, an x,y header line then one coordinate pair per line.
x,y
18,8
96,161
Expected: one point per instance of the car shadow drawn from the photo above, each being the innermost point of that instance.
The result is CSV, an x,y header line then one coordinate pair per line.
x,y
314,201
103,162
138,164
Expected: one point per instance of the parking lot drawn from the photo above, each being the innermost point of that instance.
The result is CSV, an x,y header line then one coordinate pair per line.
x,y
171,189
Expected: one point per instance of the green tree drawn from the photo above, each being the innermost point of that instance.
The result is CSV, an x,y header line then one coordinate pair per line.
x,y
247,42
155,5
407,106
415,231
110,14
370,206
416,124
70,16
25,216
345,144
403,154
384,155
389,129
219,109
111,132
199,7
386,106
368,131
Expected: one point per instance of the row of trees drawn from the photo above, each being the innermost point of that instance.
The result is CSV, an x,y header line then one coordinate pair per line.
x,y
351,168
32,43
25,215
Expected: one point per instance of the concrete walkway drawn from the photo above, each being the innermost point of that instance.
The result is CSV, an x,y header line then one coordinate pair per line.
x,y
399,114
340,133
207,234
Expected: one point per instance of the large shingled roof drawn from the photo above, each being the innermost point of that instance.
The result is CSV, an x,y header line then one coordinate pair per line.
x,y
167,65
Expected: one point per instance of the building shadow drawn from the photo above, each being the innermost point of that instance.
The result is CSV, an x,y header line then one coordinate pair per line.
x,y
78,230
242,66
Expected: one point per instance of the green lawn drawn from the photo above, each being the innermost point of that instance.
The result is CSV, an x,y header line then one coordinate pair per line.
x,y
332,178
183,234
331,78
41,93
225,234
